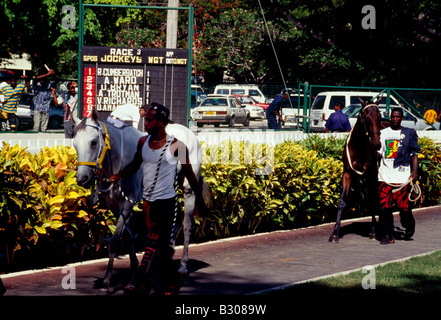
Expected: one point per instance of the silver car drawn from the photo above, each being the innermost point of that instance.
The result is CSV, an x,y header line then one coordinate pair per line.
x,y
219,109
410,120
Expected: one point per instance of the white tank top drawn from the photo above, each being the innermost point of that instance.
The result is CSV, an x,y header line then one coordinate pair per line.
x,y
164,187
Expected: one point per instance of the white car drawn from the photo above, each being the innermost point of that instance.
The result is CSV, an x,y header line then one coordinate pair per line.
x,y
251,90
256,111
323,105
409,119
220,109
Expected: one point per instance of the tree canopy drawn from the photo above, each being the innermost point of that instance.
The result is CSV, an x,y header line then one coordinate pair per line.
x,y
319,41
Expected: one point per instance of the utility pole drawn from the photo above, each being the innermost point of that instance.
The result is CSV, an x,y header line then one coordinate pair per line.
x,y
172,24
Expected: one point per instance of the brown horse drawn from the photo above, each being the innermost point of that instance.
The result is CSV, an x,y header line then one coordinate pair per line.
x,y
360,159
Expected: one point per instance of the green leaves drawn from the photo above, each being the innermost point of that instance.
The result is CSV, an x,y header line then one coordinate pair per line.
x,y
303,188
244,202
40,199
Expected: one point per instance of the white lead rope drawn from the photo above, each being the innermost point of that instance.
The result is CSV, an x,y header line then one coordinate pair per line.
x,y
415,188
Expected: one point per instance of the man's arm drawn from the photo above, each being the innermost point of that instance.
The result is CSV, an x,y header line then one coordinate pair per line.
x,y
414,167
49,73
133,166
54,92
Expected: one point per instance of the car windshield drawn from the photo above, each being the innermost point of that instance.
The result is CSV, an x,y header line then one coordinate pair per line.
x,y
246,100
319,102
237,91
353,110
209,102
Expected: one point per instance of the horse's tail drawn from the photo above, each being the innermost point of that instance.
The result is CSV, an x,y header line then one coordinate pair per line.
x,y
206,192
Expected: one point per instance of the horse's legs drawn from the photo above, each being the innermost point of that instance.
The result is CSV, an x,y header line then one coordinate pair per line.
x,y
115,243
189,206
126,215
372,179
347,179
373,204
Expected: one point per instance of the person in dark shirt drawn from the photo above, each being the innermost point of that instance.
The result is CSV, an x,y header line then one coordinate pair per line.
x,y
273,111
338,121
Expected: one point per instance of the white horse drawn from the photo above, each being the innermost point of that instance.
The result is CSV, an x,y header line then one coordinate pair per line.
x,y
103,150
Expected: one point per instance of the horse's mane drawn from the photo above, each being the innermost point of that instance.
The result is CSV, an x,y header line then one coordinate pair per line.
x,y
81,125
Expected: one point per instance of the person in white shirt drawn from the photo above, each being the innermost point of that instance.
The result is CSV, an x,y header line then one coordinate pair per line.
x,y
398,169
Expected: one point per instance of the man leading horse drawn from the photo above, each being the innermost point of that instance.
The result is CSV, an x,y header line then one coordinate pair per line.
x,y
158,154
397,175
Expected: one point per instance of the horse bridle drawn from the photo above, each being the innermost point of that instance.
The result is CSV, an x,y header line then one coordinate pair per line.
x,y
105,147
367,133
370,135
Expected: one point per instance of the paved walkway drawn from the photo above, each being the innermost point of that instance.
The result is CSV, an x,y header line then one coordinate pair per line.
x,y
249,264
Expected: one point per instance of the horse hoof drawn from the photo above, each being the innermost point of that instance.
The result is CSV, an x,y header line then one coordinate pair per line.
x,y
372,236
334,238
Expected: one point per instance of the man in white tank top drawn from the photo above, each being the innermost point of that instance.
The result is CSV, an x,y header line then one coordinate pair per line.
x,y
158,155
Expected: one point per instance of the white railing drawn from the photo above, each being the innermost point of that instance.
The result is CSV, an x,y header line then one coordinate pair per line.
x,y
272,137
34,141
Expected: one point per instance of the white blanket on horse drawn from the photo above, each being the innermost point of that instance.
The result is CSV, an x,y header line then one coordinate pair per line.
x,y
127,112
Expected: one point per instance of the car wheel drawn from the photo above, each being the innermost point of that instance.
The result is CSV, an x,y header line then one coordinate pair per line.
x,y
232,121
200,125
217,125
3,126
247,121
17,123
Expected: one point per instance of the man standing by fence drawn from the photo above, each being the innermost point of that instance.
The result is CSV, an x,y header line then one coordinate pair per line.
x,y
44,93
273,112
11,93
338,121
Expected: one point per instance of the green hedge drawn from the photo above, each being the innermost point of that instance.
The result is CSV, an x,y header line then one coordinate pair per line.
x,y
303,189
45,219
44,216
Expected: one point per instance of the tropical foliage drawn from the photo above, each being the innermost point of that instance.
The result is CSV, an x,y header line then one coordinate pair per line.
x,y
42,209
317,41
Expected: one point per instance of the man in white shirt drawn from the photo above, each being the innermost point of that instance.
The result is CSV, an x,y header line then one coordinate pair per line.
x,y
398,167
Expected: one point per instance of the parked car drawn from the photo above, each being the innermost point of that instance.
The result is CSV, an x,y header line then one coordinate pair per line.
x,y
220,109
256,109
25,114
197,97
323,105
251,90
410,120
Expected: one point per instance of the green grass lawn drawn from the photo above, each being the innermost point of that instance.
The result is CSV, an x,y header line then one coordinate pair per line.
x,y
416,276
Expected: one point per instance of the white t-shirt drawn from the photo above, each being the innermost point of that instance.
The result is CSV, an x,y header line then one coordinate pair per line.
x,y
390,142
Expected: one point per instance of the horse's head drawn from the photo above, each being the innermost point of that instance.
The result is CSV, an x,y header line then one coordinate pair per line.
x,y
370,116
89,143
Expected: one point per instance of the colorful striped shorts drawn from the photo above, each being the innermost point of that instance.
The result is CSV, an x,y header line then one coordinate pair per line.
x,y
388,199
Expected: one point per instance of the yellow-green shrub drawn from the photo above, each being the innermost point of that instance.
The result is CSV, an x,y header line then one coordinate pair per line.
x,y
299,190
40,201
